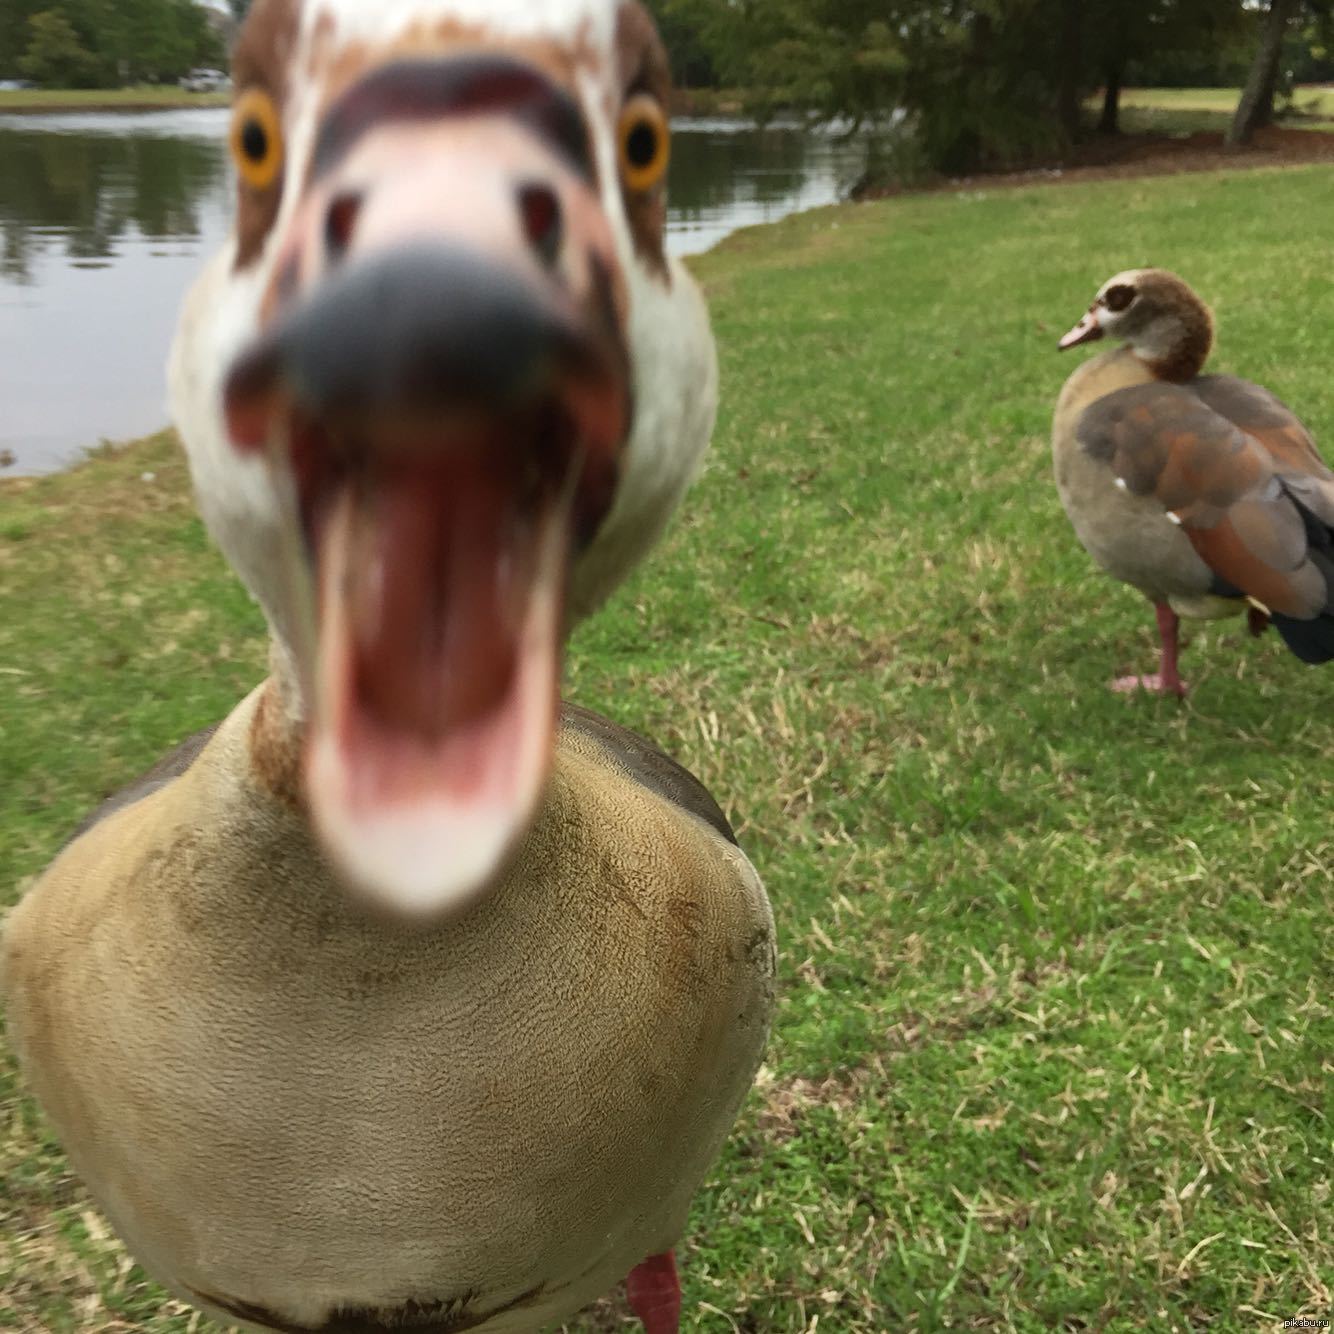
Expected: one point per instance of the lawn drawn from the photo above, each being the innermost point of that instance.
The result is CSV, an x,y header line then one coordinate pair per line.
x,y
151,98
1054,1046
1184,110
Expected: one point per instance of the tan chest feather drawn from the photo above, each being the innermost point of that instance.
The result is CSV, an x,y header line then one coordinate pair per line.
x,y
292,1110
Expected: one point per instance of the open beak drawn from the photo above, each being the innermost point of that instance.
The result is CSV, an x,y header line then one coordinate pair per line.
x,y
1088,330
442,387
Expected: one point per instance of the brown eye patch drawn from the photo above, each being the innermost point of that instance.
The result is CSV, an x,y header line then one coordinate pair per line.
x,y
646,77
1118,298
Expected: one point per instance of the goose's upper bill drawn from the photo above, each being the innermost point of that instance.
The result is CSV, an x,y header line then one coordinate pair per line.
x,y
440,391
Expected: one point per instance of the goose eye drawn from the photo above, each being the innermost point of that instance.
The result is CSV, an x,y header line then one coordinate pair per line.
x,y
1118,298
646,143
257,139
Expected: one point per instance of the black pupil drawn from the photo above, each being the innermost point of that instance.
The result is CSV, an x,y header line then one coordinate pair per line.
x,y
641,146
255,141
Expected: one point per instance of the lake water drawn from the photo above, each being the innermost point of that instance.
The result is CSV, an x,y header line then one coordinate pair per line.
x,y
105,219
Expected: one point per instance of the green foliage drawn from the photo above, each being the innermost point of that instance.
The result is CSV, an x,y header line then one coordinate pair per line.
x,y
55,56
1177,43
982,82
832,58
106,43
692,64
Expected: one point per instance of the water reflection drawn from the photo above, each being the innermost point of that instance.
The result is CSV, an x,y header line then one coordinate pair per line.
x,y
79,194
728,174
104,221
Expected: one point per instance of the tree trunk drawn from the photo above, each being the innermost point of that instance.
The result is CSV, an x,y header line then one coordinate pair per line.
x,y
1264,114
1263,78
1072,40
1110,120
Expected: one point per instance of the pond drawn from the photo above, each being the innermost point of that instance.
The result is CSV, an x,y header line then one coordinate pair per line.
x,y
105,219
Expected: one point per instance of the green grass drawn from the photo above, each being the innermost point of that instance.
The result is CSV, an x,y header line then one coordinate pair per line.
x,y
1186,110
1054,1046
148,98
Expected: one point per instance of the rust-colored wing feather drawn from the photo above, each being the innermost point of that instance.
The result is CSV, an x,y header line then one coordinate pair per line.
x,y
1241,475
1260,414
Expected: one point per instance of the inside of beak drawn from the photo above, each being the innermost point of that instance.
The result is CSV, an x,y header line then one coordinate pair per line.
x,y
1088,330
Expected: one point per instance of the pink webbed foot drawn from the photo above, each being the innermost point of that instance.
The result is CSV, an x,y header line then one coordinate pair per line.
x,y
655,1294
1165,681
1153,684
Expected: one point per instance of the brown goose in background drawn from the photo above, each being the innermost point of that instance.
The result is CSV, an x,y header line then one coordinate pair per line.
x,y
404,1001
1203,491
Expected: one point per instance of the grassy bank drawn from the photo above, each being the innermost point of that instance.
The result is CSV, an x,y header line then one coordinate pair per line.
x,y
1185,110
1055,1040
108,99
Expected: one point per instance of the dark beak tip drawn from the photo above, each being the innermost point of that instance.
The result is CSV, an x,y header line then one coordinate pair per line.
x,y
423,327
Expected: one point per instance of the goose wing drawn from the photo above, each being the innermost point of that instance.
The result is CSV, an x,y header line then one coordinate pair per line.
x,y
1237,471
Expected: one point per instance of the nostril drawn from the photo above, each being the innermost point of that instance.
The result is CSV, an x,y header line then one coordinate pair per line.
x,y
542,224
341,222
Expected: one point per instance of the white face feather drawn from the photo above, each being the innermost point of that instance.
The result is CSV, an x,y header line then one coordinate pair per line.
x,y
383,20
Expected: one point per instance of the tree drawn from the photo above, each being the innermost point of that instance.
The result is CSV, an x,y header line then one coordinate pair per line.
x,y
692,66
1141,39
1069,88
15,35
121,40
828,58
1256,107
55,56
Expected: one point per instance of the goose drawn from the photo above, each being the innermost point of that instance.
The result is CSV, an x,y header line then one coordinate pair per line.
x,y
1202,491
407,998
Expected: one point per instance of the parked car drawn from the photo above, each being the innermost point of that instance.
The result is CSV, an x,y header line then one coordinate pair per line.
x,y
16,85
206,81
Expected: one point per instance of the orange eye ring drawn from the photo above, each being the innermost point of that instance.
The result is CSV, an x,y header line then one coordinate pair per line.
x,y
257,139
645,141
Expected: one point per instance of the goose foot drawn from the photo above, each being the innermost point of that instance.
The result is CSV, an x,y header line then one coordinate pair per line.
x,y
655,1294
1166,680
1154,684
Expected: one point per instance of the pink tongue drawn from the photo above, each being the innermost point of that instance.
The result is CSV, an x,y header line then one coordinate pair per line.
x,y
438,574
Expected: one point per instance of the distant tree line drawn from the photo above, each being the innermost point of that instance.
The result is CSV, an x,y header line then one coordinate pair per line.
x,y
984,82
105,43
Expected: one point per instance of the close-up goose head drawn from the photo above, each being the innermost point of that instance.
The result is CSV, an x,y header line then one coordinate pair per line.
x,y
440,391
1156,315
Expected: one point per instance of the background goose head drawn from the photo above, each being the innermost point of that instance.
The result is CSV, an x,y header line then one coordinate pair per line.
x,y
1157,316
440,392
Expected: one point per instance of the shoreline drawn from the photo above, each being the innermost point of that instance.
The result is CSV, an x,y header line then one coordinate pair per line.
x,y
102,101
1145,158
117,101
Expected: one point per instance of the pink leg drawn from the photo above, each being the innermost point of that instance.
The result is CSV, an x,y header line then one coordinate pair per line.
x,y
1167,681
655,1294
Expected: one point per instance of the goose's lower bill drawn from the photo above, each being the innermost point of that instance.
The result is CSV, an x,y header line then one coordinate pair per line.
x,y
436,700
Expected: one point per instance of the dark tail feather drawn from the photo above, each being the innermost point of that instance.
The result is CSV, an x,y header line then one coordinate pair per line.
x,y
1311,641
